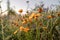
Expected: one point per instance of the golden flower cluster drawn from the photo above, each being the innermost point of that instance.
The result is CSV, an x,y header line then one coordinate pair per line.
x,y
34,15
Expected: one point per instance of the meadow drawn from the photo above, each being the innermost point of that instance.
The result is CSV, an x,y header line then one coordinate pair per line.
x,y
35,25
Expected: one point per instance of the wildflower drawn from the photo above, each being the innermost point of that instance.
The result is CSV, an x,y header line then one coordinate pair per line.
x,y
21,10
40,10
21,28
15,32
26,29
35,17
24,22
49,16
31,16
39,14
30,20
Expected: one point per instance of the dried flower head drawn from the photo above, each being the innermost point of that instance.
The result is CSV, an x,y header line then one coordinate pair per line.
x,y
40,10
20,11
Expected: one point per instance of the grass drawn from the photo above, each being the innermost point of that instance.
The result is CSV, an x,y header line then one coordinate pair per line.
x,y
34,26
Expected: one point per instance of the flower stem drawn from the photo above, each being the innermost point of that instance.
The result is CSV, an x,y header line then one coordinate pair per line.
x,y
2,29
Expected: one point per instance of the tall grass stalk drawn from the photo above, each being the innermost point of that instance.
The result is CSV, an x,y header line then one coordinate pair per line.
x,y
2,28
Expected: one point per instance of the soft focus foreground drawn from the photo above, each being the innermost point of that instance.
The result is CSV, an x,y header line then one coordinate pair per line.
x,y
35,25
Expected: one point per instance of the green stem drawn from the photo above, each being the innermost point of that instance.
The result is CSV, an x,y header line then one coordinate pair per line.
x,y
51,38
2,29
37,32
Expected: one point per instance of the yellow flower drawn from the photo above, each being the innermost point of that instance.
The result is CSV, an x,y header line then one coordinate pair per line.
x,y
49,16
31,16
35,17
27,19
26,29
21,28
30,20
38,14
24,22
